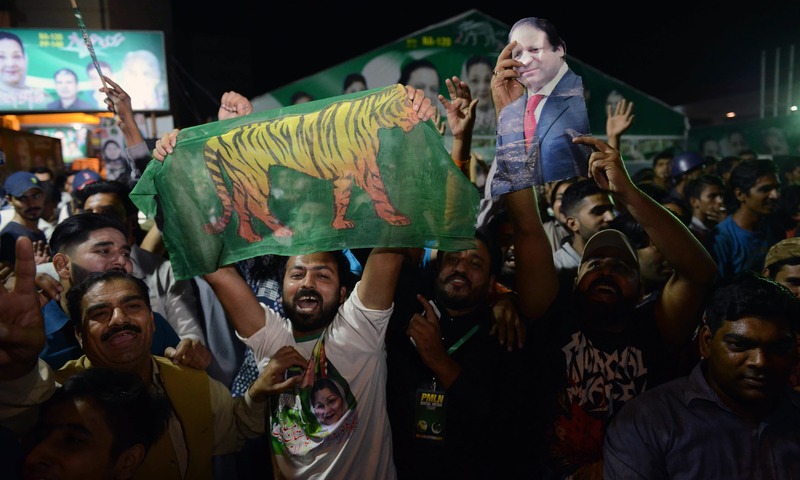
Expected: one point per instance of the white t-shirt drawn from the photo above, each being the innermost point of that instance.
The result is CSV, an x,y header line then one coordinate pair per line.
x,y
359,444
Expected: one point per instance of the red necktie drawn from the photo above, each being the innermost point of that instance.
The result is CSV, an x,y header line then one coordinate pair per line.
x,y
529,124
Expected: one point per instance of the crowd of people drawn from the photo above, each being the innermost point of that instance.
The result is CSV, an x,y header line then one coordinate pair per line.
x,y
604,325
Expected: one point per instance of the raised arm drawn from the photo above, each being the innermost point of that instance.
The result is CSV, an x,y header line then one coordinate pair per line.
x,y
119,102
460,110
680,304
22,334
537,282
240,303
505,86
619,118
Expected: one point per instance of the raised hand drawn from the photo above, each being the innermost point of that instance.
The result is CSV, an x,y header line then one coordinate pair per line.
x,y
505,86
21,324
234,105
460,107
165,145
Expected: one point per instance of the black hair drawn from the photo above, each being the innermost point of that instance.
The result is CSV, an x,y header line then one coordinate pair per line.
x,y
786,163
686,215
643,175
76,292
134,413
773,269
726,164
405,72
667,153
352,78
557,185
750,294
544,25
576,193
121,190
76,229
745,174
744,177
495,256
298,95
346,277
66,70
11,36
625,223
325,382
694,187
478,60
42,169
788,206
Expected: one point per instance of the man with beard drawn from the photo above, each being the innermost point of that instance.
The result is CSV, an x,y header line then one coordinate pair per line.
x,y
83,244
445,370
25,193
114,323
599,349
742,239
327,333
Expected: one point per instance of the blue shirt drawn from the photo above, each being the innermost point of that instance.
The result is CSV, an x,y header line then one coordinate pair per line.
x,y
736,249
682,430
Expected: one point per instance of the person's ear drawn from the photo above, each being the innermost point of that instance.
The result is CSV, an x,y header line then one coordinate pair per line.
x,y
128,461
739,194
61,264
342,294
572,224
705,336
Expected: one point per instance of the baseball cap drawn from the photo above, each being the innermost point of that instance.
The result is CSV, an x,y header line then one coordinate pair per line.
x,y
610,238
20,182
783,250
83,178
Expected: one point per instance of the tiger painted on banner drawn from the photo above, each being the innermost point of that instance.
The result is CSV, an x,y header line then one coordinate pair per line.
x,y
338,143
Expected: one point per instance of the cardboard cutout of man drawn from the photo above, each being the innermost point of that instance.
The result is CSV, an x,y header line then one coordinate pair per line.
x,y
540,106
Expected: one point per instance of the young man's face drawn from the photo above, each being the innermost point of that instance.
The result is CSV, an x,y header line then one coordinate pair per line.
x,y
312,291
541,61
105,249
29,206
763,197
595,213
708,207
749,361
663,168
607,285
789,277
118,325
73,442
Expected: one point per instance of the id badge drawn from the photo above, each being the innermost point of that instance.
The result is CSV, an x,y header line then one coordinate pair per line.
x,y
429,414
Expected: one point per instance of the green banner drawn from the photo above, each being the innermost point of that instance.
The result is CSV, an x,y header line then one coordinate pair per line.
x,y
352,171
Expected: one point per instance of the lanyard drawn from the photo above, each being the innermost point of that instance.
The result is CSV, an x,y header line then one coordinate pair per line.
x,y
463,339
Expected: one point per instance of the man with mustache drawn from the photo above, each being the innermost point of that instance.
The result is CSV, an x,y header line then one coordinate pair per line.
x,y
599,349
114,324
734,416
83,244
25,193
330,331
742,239
445,368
